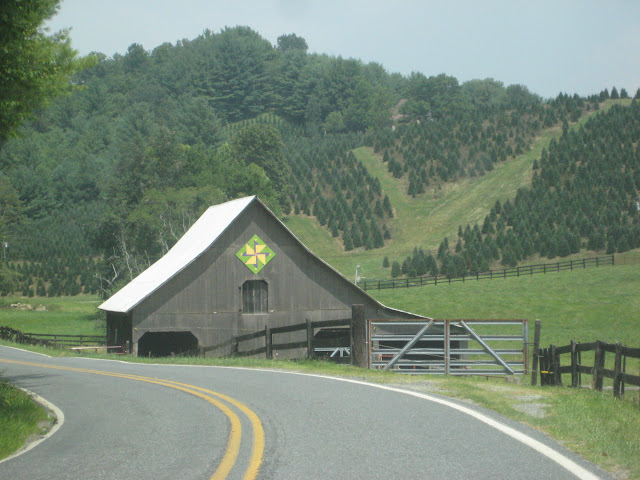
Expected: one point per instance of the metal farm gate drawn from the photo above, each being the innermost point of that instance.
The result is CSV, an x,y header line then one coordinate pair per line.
x,y
449,347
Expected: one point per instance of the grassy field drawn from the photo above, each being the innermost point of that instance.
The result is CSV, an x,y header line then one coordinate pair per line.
x,y
584,305
63,315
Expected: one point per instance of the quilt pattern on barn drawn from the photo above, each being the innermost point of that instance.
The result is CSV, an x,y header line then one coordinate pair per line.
x,y
255,254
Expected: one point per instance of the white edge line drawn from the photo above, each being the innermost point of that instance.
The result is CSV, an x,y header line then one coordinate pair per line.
x,y
568,464
58,421
25,350
577,470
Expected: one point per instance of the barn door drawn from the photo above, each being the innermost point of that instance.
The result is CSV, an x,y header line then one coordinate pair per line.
x,y
255,296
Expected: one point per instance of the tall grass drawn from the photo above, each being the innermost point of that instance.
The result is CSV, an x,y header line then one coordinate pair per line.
x,y
20,418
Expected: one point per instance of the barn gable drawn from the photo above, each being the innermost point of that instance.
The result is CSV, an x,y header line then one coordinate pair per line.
x,y
238,269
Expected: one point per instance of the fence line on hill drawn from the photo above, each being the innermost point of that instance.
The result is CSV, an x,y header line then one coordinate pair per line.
x,y
488,275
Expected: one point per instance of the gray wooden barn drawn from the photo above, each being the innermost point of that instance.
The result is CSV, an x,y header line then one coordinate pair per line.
x,y
236,270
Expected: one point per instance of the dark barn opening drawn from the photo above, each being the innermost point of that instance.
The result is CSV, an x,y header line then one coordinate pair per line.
x,y
333,344
165,344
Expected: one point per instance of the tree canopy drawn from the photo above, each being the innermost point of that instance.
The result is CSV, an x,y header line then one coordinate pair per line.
x,y
34,67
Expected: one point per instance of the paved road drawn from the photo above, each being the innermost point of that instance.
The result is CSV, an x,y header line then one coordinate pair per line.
x,y
118,425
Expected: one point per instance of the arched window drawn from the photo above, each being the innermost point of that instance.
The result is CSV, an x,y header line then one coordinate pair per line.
x,y
255,296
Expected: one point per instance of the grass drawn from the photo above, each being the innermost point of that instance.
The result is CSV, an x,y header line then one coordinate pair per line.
x,y
20,418
63,315
584,305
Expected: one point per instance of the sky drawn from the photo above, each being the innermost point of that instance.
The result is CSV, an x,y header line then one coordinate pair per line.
x,y
550,46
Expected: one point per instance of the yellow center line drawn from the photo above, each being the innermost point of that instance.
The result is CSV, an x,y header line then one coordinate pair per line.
x,y
257,449
235,435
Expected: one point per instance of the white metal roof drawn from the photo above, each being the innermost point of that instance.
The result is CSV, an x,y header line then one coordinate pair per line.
x,y
193,243
213,222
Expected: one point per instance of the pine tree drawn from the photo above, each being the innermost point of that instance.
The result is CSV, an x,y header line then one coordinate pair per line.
x,y
386,203
347,241
385,262
368,245
396,270
355,235
614,94
623,245
405,265
378,240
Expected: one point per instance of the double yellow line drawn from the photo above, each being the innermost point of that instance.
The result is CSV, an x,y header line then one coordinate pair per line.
x,y
235,435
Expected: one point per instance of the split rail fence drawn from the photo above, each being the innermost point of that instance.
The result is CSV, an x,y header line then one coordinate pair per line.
x,y
551,369
313,345
488,275
51,340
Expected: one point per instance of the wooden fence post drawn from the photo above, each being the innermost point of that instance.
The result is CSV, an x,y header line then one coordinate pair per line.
x,y
310,349
555,358
617,371
359,345
268,342
536,354
544,367
597,366
574,365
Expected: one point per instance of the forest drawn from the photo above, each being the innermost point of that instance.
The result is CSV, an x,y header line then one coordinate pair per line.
x,y
103,181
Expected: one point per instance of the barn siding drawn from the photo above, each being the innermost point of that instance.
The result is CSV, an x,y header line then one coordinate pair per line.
x,y
206,299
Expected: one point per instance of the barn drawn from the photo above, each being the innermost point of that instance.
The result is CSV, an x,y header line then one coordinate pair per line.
x,y
235,271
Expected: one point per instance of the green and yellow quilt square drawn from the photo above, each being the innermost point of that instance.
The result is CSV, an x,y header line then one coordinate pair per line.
x,y
255,254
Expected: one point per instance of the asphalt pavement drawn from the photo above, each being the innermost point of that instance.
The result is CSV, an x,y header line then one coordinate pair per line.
x,y
141,421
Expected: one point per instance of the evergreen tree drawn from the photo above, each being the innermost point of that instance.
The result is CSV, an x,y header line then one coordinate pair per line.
x,y
355,236
623,245
347,241
396,270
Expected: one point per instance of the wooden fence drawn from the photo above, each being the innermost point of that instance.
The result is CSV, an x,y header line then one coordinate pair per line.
x,y
310,343
551,369
51,340
488,275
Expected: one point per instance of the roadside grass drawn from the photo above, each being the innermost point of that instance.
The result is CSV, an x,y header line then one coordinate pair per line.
x,y
63,315
20,418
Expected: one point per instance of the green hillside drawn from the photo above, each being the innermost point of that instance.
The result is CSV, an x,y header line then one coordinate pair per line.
x,y
424,220
104,181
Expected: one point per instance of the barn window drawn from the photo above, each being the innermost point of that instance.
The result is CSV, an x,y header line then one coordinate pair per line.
x,y
255,296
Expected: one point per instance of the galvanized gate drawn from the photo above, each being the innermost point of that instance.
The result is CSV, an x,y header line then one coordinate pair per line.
x,y
449,347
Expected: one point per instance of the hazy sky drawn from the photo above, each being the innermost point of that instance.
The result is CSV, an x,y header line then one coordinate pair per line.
x,y
551,46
